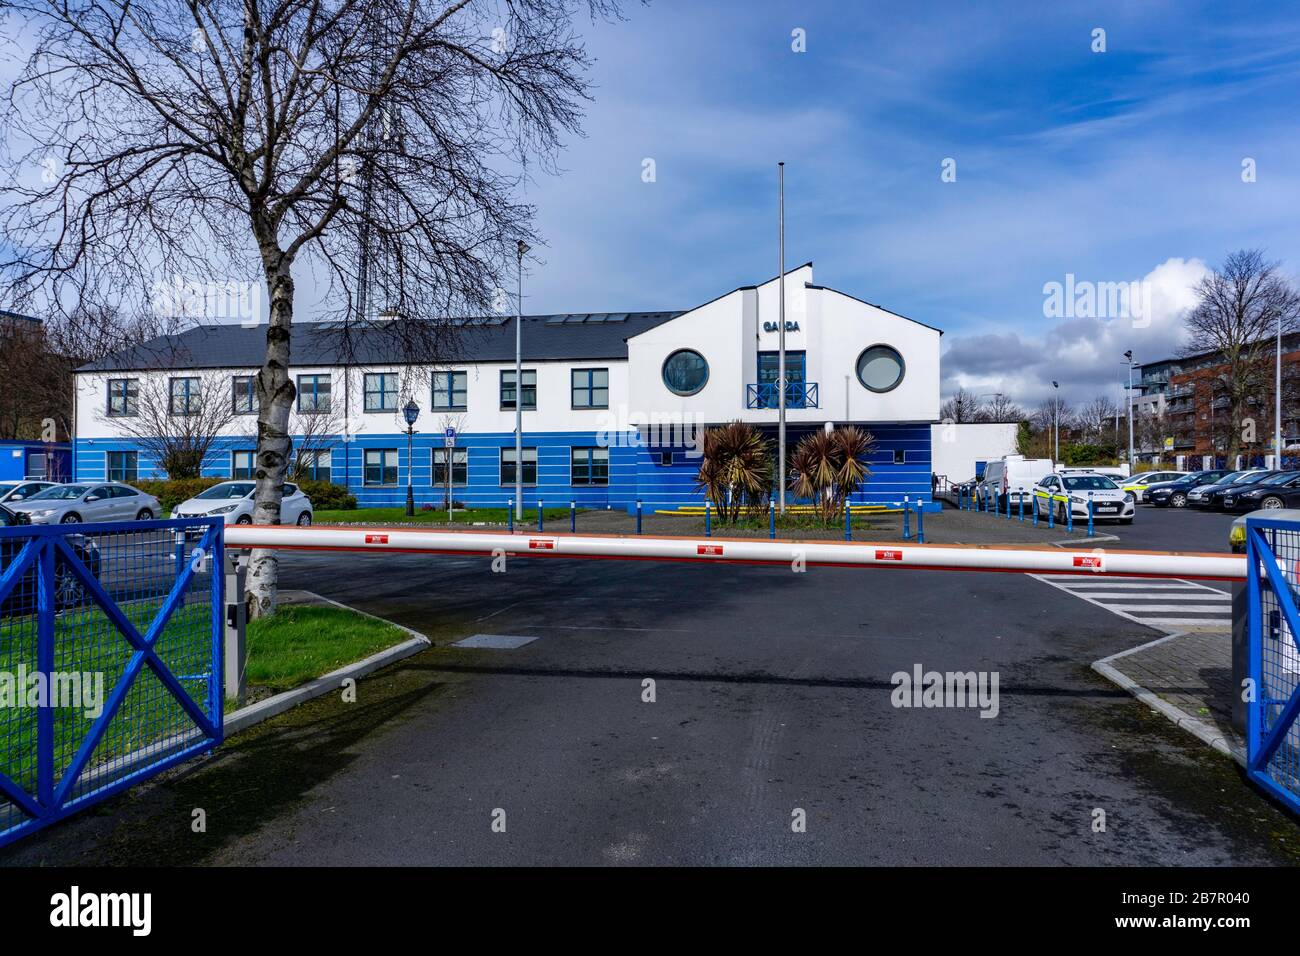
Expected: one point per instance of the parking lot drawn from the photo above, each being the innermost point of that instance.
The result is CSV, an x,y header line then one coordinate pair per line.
x,y
756,715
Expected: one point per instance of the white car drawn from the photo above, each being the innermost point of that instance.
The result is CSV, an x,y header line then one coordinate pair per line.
x,y
232,501
89,502
12,492
1058,491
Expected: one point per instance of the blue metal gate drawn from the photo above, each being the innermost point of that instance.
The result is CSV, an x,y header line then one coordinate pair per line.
x,y
110,660
1273,635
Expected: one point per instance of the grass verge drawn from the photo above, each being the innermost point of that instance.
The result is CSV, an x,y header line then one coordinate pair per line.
x,y
301,642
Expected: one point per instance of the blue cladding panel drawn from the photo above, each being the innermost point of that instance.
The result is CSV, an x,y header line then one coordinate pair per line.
x,y
634,470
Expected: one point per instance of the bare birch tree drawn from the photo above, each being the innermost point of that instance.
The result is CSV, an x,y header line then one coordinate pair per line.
x,y
270,139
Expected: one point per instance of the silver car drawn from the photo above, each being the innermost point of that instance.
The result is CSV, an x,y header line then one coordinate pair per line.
x,y
89,502
12,492
232,501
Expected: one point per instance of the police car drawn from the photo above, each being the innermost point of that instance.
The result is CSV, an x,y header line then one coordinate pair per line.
x,y
1073,490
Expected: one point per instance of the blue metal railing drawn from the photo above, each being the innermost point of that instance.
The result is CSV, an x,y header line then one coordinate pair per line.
x,y
1273,661
123,631
797,395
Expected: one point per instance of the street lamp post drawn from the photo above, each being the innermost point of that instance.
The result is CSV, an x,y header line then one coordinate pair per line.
x,y
410,412
1056,424
1128,407
521,248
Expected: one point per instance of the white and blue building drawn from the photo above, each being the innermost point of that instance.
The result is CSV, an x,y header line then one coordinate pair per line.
x,y
614,404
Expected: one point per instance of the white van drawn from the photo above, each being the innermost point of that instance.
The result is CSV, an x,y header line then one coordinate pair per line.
x,y
1016,476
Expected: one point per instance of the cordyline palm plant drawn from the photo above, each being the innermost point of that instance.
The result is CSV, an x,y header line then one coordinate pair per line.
x,y
736,473
828,467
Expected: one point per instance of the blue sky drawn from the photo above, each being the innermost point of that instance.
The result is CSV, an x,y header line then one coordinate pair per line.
x,y
1115,166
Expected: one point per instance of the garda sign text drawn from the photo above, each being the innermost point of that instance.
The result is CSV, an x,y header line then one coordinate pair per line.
x,y
791,325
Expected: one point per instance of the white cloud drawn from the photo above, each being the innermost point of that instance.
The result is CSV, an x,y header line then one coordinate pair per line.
x,y
1086,355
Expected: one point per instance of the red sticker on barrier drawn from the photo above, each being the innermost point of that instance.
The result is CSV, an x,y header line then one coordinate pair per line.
x,y
712,549
1087,561
889,555
376,539
539,544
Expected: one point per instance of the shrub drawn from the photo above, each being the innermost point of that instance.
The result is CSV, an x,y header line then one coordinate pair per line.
x,y
736,471
327,496
173,491
829,467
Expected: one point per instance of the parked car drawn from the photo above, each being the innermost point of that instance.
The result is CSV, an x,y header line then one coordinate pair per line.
x,y
1278,490
69,592
1059,491
89,502
233,502
1200,497
12,492
1174,494
1014,476
1237,533
1138,485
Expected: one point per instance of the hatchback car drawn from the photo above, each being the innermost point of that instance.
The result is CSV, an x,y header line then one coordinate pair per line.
x,y
89,502
1200,497
1279,490
1057,492
232,501
1174,493
12,492
1138,485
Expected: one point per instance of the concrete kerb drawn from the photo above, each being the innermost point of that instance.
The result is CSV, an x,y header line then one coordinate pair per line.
x,y
246,717
1205,731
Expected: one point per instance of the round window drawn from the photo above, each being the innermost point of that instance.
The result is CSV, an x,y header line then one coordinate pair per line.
x,y
880,368
685,372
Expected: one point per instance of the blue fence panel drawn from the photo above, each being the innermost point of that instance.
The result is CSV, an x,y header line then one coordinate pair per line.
x,y
1273,583
110,660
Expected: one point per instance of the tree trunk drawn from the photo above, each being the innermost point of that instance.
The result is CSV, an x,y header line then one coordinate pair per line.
x,y
275,396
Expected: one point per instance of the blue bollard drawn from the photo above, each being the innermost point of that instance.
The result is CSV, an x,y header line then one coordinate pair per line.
x,y
539,514
1008,504
771,519
907,508
638,516
920,523
848,521
708,518
1051,511
510,514
1021,499
1034,509
1090,514
1069,514
573,516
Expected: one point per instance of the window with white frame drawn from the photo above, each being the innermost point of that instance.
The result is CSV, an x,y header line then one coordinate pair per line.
x,y
316,464
589,466
529,474
508,389
380,466
242,399
242,463
459,466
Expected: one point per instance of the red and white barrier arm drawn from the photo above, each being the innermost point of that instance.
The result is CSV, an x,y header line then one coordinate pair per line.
x,y
944,557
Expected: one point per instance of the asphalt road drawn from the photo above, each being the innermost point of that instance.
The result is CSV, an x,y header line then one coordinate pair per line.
x,y
772,696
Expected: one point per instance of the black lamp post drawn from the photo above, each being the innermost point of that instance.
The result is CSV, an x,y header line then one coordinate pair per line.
x,y
410,412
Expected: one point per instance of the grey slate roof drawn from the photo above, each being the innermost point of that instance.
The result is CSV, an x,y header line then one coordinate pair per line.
x,y
569,336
